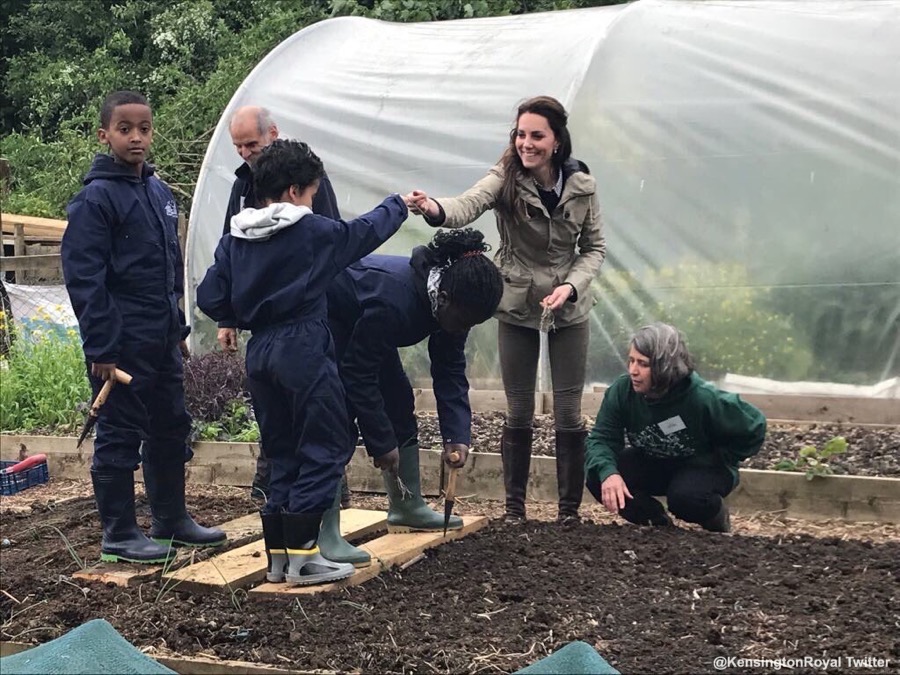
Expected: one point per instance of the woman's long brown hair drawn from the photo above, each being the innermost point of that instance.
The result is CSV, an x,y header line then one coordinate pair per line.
x,y
557,117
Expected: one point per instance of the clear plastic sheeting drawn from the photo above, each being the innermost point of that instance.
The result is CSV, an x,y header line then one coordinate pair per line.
x,y
747,156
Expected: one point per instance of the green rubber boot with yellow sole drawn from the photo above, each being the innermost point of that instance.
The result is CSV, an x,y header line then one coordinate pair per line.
x,y
408,512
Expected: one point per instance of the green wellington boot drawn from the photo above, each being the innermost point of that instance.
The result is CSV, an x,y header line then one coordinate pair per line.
x,y
332,545
408,512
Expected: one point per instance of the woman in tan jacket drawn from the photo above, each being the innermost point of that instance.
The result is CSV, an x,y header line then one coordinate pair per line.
x,y
551,248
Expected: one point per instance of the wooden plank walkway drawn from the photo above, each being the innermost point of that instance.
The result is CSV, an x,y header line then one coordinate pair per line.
x,y
387,551
240,567
239,530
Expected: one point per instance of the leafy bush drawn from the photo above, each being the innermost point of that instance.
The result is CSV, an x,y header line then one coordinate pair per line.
x,y
45,175
44,381
727,319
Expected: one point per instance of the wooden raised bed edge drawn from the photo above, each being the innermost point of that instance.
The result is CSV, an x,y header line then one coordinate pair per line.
x,y
847,498
823,409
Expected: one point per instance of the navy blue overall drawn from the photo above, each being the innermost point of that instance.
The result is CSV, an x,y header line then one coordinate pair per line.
x,y
374,307
276,289
124,274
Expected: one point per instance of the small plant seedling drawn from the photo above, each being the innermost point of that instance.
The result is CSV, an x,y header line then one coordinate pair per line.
x,y
812,460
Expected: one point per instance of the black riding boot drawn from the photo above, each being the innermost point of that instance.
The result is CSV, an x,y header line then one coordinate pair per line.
x,y
164,483
123,541
515,452
570,472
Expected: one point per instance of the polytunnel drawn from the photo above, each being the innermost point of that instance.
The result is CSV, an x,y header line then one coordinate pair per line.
x,y
747,156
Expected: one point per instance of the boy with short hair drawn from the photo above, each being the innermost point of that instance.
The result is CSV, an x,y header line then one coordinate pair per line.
x,y
124,273
270,276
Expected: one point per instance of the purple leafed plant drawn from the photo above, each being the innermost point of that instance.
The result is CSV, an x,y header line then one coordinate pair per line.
x,y
211,382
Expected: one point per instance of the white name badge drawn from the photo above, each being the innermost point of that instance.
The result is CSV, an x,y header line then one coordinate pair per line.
x,y
671,425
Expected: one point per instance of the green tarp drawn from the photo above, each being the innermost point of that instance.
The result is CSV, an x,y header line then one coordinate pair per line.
x,y
94,648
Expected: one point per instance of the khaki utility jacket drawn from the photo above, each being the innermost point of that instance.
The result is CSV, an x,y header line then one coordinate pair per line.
x,y
540,250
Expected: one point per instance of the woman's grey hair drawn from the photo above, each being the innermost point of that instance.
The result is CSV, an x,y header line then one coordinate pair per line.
x,y
670,360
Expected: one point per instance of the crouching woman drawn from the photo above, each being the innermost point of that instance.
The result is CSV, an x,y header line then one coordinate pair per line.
x,y
686,438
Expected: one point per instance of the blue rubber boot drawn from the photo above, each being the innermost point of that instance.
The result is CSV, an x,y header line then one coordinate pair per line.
x,y
408,512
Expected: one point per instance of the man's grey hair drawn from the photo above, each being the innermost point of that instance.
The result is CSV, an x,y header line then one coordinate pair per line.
x,y
264,120
670,360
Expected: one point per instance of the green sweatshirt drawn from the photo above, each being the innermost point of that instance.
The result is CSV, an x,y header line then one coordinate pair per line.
x,y
694,422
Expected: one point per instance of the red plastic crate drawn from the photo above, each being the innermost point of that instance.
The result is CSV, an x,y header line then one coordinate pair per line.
x,y
12,483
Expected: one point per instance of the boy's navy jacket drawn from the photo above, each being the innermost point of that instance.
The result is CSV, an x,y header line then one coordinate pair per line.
x,y
383,303
121,259
257,284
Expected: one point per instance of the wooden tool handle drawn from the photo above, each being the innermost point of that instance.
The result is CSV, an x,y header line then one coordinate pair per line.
x,y
451,485
101,397
118,376
450,492
123,377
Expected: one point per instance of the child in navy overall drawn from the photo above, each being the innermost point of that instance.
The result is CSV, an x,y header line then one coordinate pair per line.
x,y
269,277
124,274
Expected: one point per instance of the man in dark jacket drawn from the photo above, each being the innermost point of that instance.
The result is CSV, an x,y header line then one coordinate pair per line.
x,y
252,130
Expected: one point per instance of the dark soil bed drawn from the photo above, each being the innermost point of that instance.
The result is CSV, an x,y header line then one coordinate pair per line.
x,y
648,600
872,451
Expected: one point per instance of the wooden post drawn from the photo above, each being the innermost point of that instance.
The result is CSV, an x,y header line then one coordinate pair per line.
x,y
18,239
4,184
182,242
19,249
182,233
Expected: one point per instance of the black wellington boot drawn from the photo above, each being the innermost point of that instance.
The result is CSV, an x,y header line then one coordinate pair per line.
x,y
123,541
570,472
643,509
164,483
515,453
276,552
721,522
